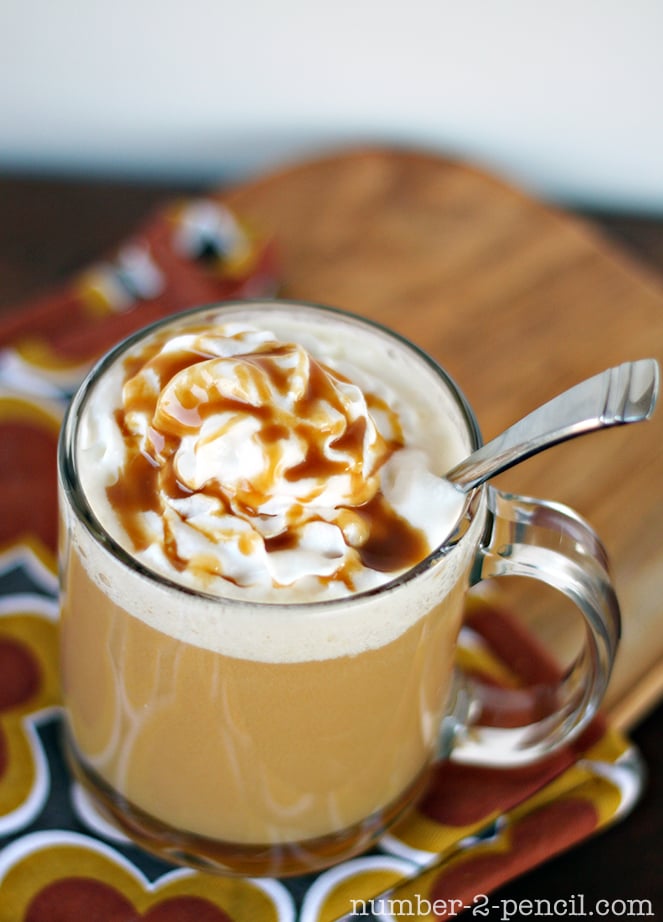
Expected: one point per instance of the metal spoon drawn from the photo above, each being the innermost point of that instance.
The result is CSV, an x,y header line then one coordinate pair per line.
x,y
624,394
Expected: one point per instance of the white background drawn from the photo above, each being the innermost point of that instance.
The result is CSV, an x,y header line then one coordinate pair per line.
x,y
565,98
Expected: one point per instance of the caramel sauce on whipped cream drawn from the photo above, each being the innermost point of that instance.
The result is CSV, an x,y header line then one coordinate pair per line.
x,y
247,459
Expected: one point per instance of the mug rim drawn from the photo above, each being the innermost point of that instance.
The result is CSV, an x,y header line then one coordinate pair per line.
x,y
81,506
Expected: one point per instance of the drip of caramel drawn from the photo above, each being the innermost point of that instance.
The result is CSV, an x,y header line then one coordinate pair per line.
x,y
148,473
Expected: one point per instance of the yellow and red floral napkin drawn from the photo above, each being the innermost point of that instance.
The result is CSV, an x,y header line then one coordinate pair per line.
x,y
475,829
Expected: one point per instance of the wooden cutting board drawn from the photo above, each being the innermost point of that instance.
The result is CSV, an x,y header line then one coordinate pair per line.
x,y
518,301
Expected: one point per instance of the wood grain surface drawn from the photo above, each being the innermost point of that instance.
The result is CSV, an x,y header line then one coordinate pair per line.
x,y
518,301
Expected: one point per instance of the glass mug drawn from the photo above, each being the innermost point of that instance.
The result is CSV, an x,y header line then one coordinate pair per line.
x,y
282,737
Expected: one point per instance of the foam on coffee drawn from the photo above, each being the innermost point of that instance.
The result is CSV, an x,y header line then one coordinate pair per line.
x,y
411,433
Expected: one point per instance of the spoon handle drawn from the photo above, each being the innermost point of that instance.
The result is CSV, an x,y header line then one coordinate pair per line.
x,y
623,394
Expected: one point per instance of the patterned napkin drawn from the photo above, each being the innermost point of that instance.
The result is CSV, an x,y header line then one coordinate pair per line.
x,y
474,830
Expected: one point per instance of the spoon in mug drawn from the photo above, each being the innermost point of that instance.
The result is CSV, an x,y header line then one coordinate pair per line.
x,y
624,394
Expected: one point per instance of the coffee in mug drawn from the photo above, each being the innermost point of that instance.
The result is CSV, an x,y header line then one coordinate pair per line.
x,y
263,581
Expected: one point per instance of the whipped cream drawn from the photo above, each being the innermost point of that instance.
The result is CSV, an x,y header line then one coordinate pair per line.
x,y
245,462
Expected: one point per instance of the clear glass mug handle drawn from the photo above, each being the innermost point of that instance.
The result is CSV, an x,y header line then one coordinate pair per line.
x,y
548,542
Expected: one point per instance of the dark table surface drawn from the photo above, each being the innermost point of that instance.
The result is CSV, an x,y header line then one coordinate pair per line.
x,y
52,227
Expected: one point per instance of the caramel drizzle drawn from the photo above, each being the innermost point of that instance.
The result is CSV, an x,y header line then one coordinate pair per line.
x,y
391,545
